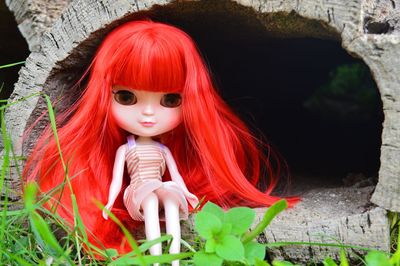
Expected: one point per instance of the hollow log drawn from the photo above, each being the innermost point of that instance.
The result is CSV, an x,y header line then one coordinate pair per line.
x,y
368,30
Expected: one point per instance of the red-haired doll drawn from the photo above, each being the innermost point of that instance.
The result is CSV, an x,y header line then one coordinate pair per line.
x,y
149,93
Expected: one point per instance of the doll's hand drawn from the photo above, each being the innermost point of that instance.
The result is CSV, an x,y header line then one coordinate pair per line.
x,y
192,199
108,207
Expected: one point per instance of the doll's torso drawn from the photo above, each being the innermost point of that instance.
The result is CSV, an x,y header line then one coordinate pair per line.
x,y
144,162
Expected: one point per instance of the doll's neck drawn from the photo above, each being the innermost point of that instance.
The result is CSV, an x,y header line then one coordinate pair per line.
x,y
144,140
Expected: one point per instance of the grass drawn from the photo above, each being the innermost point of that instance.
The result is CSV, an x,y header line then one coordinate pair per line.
x,y
32,235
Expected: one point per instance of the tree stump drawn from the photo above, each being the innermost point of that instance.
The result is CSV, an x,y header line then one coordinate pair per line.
x,y
368,30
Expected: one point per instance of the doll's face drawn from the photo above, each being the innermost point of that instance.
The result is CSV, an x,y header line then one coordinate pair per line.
x,y
145,113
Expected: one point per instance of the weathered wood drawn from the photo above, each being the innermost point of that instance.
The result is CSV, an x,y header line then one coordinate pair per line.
x,y
35,17
68,47
381,17
338,216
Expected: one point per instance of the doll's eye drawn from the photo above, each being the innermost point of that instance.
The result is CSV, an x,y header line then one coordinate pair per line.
x,y
125,97
171,100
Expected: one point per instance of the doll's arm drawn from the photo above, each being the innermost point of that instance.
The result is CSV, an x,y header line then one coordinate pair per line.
x,y
177,178
116,183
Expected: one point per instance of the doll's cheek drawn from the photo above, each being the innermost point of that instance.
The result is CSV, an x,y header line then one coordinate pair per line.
x,y
172,118
122,116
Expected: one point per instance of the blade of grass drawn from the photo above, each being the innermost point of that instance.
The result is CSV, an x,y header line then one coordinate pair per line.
x,y
282,244
40,228
187,245
146,245
16,258
150,259
15,213
45,237
3,222
4,171
3,107
269,215
22,248
53,124
81,230
343,258
12,64
395,259
128,236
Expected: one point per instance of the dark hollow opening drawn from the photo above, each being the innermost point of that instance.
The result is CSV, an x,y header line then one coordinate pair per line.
x,y
13,48
317,105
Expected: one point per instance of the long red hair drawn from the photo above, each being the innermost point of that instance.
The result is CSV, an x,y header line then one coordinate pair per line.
x,y
216,154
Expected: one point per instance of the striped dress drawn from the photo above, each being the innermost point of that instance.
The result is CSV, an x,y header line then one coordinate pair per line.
x,y
146,166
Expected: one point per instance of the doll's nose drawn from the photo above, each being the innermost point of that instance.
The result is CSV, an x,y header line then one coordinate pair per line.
x,y
148,110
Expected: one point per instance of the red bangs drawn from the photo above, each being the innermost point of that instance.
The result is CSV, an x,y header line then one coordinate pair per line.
x,y
152,62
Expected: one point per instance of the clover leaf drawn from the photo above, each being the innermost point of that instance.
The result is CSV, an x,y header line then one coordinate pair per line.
x,y
207,259
222,232
230,248
253,251
377,258
207,224
241,219
214,209
210,245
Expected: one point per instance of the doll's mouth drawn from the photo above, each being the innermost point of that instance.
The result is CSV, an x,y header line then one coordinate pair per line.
x,y
147,123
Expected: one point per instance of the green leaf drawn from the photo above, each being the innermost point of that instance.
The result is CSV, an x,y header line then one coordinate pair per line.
x,y
30,196
230,248
111,252
44,236
377,258
214,209
241,219
395,259
329,262
207,224
270,214
225,230
206,259
282,263
343,258
261,263
210,245
253,251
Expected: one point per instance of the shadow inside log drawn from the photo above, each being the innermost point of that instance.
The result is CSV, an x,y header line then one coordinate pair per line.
x,y
294,85
315,104
13,48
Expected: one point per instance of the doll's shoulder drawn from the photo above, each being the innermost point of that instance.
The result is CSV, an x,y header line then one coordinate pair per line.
x,y
122,148
165,150
161,145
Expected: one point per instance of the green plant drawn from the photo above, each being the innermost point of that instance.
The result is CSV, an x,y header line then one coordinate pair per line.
x,y
226,235
349,94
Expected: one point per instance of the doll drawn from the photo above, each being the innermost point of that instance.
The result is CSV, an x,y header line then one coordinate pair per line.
x,y
148,114
149,92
